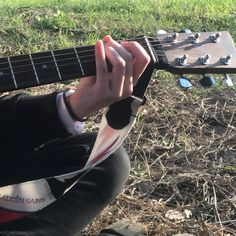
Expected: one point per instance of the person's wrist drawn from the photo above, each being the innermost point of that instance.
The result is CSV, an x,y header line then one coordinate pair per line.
x,y
67,96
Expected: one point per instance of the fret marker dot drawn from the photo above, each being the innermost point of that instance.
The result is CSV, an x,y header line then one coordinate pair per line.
x,y
1,73
45,66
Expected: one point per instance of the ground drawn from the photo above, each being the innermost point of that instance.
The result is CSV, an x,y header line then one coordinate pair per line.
x,y
183,154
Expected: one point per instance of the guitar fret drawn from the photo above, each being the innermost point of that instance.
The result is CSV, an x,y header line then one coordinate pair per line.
x,y
81,67
12,72
87,59
35,72
58,71
153,58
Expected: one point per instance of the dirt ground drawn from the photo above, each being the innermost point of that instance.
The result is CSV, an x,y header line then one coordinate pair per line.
x,y
183,155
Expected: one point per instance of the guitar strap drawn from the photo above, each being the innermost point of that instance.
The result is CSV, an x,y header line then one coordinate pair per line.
x,y
19,200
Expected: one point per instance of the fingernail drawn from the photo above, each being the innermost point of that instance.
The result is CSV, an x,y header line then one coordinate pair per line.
x,y
107,38
124,43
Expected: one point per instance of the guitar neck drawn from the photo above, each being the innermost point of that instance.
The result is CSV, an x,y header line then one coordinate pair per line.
x,y
186,53
35,69
23,71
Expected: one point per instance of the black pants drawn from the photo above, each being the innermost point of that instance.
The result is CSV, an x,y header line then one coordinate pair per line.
x,y
72,212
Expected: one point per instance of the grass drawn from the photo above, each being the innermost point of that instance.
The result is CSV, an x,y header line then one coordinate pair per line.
x,y
183,145
51,24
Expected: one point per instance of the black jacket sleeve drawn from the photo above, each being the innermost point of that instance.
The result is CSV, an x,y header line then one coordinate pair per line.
x,y
27,121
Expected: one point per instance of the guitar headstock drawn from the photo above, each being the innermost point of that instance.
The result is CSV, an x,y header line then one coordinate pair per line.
x,y
195,53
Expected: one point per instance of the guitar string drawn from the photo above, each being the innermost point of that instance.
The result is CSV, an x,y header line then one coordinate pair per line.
x,y
158,43
58,60
66,64
86,51
196,58
65,59
63,54
83,51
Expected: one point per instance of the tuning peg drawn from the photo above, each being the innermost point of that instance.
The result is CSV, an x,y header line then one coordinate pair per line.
x,y
227,81
227,60
182,60
215,37
184,83
205,59
194,38
207,81
172,38
185,31
161,31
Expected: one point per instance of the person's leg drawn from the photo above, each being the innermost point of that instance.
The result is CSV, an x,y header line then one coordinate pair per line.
x,y
72,212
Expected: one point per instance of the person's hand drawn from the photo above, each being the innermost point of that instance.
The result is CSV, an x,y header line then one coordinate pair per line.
x,y
128,59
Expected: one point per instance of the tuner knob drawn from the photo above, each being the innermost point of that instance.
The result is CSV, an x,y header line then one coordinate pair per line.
x,y
185,31
227,60
161,31
184,83
194,38
215,37
182,60
205,59
227,81
207,81
172,37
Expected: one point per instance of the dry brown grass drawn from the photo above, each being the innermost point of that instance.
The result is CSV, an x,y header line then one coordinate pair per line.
x,y
183,154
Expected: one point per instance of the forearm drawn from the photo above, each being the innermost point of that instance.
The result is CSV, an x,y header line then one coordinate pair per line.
x,y
29,121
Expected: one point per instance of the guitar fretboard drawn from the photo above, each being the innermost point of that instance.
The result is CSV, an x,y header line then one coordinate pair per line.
x,y
41,68
46,67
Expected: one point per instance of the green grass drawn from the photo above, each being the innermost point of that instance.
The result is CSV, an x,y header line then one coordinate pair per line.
x,y
38,25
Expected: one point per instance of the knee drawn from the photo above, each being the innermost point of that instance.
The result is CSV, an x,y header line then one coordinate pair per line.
x,y
117,170
109,177
118,167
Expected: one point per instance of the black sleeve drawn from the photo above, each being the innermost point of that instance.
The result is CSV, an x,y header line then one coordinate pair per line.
x,y
29,121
